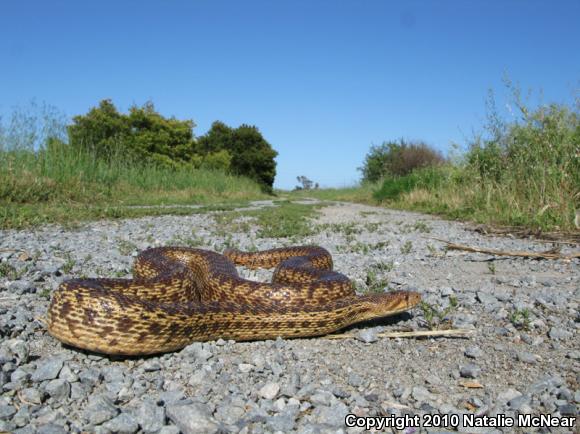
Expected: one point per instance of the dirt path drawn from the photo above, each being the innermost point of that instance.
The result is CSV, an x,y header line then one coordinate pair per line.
x,y
523,358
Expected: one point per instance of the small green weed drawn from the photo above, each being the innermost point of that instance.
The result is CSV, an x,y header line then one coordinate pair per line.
x,y
367,213
372,227
520,318
363,248
407,247
347,229
7,270
69,263
384,266
126,247
421,226
435,317
433,250
188,241
375,280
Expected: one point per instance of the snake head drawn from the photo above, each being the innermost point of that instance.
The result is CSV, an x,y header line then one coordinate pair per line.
x,y
389,303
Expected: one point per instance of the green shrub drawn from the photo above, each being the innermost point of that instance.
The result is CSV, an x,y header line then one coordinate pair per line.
x,y
400,158
220,160
429,178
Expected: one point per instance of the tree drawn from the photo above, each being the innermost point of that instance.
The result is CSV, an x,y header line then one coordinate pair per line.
x,y
142,134
251,154
306,183
101,131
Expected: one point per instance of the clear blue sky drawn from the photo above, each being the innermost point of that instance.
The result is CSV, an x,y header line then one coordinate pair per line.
x,y
323,80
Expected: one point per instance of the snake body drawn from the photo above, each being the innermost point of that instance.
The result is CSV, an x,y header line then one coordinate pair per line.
x,y
180,295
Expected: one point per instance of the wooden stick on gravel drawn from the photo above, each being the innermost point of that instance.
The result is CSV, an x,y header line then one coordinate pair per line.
x,y
548,254
460,333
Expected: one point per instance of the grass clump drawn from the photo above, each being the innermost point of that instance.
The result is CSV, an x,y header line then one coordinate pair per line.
x,y
285,220
520,319
8,271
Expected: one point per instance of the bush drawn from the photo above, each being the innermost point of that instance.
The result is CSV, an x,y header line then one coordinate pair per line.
x,y
398,159
220,160
252,155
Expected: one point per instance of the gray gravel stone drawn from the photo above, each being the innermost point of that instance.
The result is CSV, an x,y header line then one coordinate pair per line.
x,y
283,422
151,366
19,375
122,424
473,352
19,349
517,402
150,416
229,413
507,395
58,389
421,394
31,395
470,371
333,415
169,429
527,358
367,335
558,333
270,390
245,367
78,391
464,320
90,376
322,398
68,375
567,409
355,380
192,419
47,369
100,409
51,428
486,298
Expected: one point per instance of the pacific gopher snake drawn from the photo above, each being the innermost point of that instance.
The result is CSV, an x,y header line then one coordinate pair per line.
x,y
180,295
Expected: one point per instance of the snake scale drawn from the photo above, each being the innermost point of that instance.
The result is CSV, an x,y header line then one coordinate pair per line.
x,y
180,295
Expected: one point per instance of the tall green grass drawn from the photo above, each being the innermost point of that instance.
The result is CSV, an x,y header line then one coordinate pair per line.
x,y
525,173
43,179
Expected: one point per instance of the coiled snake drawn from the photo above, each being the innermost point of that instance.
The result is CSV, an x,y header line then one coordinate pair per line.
x,y
180,295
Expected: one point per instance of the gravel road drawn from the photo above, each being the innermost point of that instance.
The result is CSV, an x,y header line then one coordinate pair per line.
x,y
523,357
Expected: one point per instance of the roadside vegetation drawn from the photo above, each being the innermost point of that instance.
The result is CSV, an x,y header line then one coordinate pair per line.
x,y
523,172
106,162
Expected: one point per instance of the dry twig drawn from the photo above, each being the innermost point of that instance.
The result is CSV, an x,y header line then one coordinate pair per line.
x,y
548,254
460,333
